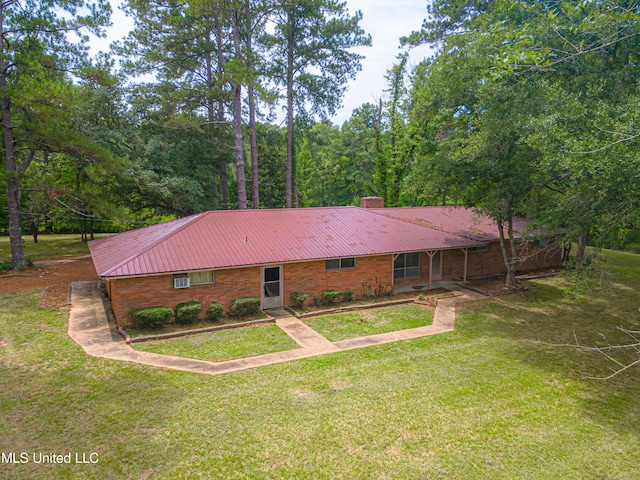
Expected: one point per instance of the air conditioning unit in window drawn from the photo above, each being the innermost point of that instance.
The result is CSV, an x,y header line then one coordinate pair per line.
x,y
181,282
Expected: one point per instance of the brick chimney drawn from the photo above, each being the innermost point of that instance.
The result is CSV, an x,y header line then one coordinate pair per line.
x,y
372,202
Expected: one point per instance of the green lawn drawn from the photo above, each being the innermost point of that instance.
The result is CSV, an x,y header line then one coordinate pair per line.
x,y
342,326
47,246
224,344
490,400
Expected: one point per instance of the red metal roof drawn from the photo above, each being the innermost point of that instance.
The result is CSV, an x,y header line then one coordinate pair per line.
x,y
233,238
460,221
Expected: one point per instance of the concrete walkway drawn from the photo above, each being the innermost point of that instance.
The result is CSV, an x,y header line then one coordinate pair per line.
x,y
90,328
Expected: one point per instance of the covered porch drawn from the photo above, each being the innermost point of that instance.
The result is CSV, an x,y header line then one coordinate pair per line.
x,y
415,271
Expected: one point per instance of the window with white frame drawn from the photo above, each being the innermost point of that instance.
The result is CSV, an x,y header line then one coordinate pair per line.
x,y
406,265
480,249
341,263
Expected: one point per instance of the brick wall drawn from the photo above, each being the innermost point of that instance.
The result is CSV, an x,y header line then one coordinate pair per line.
x,y
129,293
313,278
492,262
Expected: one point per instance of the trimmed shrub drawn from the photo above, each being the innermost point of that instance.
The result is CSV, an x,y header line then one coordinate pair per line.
x,y
347,296
317,300
188,312
245,306
215,311
298,298
151,317
330,296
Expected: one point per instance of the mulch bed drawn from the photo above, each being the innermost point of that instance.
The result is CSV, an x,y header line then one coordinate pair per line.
x,y
423,296
167,333
198,327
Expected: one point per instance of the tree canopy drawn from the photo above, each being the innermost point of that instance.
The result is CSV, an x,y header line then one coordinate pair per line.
x,y
525,108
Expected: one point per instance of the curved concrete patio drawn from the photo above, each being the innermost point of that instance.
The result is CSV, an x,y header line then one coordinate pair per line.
x,y
89,327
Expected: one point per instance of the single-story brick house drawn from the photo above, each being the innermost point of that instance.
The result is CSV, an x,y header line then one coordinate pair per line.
x,y
222,255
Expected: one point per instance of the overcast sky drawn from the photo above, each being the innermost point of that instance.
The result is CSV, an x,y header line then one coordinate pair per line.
x,y
385,20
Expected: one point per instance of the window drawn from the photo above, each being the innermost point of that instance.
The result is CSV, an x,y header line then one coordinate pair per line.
x,y
483,248
406,265
201,278
341,263
186,280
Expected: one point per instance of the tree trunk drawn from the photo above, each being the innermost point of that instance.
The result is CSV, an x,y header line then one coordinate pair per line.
x,y
581,241
255,195
237,120
289,166
514,253
239,147
510,279
18,260
211,114
509,259
34,231
14,178
224,185
224,181
381,161
566,251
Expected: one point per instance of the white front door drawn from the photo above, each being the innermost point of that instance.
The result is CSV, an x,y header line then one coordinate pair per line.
x,y
271,287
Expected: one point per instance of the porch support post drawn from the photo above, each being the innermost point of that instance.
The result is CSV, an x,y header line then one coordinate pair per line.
x,y
393,262
431,253
466,256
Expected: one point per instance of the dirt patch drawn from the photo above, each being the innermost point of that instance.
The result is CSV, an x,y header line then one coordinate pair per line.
x,y
54,275
491,286
496,285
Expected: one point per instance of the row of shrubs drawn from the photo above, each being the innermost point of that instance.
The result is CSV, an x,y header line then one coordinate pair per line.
x,y
328,297
188,312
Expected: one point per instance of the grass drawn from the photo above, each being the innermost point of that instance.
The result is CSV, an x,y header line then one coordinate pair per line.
x,y
342,326
62,245
491,400
224,344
